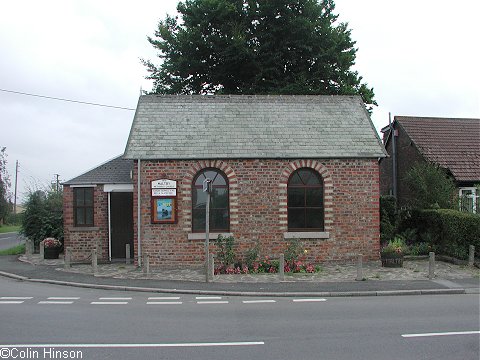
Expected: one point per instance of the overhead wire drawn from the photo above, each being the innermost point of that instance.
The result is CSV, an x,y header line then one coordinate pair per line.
x,y
67,100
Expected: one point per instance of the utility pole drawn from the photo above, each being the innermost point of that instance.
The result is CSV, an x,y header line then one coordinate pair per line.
x,y
15,196
57,181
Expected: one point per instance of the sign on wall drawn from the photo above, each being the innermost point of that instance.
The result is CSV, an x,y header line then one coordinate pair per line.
x,y
164,201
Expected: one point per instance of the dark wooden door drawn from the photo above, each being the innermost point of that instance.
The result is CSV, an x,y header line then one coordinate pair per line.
x,y
121,221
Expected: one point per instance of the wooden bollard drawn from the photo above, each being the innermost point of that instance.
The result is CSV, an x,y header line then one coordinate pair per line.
x,y
67,259
127,254
471,255
94,261
359,267
431,265
281,268
211,266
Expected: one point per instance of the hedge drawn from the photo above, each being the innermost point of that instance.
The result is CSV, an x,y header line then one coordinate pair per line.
x,y
450,231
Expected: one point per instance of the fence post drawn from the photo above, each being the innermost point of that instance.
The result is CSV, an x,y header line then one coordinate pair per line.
x,y
67,258
471,255
281,268
431,265
94,261
127,254
42,250
359,267
211,266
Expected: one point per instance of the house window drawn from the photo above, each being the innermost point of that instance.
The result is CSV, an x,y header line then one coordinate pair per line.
x,y
83,206
305,201
219,204
469,200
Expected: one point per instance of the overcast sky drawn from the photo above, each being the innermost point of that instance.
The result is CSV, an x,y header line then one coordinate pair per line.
x,y
421,57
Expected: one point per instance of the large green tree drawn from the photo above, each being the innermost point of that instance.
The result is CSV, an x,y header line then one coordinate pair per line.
x,y
255,47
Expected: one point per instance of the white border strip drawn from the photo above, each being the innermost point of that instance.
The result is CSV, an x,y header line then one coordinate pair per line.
x,y
238,343
441,334
258,301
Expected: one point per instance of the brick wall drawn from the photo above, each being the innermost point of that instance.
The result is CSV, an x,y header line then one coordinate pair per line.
x,y
83,240
258,209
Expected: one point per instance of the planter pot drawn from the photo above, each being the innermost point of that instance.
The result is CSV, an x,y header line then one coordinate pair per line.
x,y
392,261
51,253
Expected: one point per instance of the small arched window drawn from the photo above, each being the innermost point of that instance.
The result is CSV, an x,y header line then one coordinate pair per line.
x,y
305,201
219,204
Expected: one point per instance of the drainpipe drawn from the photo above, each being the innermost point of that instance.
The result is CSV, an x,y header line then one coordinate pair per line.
x,y
139,227
394,156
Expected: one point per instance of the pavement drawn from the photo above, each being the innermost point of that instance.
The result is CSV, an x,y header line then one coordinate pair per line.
x,y
332,280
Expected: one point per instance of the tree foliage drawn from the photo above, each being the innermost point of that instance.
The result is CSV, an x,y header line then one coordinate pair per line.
x,y
43,215
255,47
431,187
5,205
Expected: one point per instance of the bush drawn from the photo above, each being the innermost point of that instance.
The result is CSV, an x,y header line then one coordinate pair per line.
x,y
225,253
430,187
43,216
451,232
388,218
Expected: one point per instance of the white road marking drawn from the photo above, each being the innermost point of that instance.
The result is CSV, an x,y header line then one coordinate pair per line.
x,y
441,334
109,303
208,297
309,300
164,302
115,298
234,343
11,302
16,297
212,302
164,298
56,302
258,301
63,298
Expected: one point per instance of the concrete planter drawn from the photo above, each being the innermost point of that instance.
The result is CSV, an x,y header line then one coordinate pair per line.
x,y
51,253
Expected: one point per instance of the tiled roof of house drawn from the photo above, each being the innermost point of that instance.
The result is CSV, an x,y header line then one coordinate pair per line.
x,y
116,171
215,127
452,143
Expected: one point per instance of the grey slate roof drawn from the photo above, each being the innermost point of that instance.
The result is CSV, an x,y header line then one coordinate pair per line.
x,y
250,126
116,171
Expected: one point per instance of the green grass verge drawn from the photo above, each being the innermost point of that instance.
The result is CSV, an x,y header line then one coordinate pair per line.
x,y
16,250
9,228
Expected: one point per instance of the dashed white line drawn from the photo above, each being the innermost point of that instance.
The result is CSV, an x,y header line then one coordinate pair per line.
x,y
309,300
164,298
115,298
11,302
208,297
258,301
109,303
16,297
164,302
212,302
63,298
441,334
56,302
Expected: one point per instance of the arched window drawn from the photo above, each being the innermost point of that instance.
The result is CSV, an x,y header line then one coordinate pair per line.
x,y
219,212
305,201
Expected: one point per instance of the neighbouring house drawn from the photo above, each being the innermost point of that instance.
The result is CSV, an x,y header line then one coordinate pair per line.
x,y
280,167
451,143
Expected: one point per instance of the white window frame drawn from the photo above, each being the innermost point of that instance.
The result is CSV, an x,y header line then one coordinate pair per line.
x,y
475,193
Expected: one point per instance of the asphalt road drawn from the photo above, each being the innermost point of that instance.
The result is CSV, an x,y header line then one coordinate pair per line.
x,y
39,319
10,240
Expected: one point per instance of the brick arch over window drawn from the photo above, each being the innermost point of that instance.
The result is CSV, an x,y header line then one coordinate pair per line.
x,y
186,189
327,186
